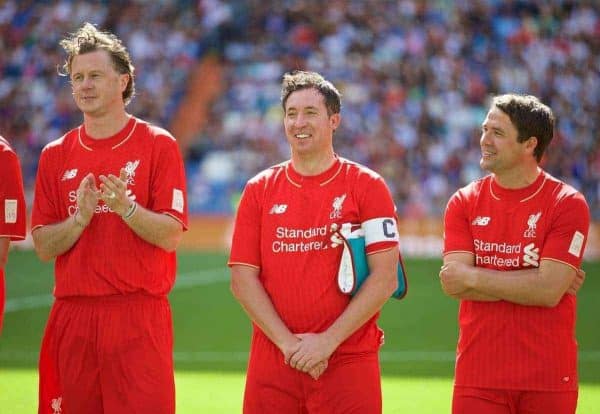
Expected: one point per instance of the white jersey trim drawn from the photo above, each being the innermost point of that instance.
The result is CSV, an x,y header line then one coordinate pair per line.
x,y
242,264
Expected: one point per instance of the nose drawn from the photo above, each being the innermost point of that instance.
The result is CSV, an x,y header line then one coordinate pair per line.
x,y
485,137
300,120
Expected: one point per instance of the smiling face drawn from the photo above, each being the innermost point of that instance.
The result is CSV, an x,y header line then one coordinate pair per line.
x,y
501,153
97,86
308,127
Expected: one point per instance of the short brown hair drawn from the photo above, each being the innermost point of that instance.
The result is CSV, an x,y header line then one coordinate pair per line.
x,y
89,39
531,118
299,79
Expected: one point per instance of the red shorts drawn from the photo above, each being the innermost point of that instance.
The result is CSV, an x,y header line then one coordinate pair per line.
x,y
108,355
350,385
470,400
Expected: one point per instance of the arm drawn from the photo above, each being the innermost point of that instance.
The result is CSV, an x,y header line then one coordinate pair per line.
x,y
55,239
158,229
249,291
4,243
543,286
372,295
452,284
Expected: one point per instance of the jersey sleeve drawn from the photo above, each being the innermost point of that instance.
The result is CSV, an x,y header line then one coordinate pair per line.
x,y
566,240
246,241
168,193
12,198
45,210
378,214
457,230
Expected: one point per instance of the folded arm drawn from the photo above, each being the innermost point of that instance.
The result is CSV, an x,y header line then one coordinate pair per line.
x,y
543,286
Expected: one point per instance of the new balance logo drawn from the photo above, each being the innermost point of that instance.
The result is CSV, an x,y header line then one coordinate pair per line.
x,y
69,174
278,209
481,221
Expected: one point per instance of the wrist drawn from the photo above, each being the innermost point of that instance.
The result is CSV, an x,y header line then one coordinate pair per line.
x,y
128,214
79,220
332,340
472,280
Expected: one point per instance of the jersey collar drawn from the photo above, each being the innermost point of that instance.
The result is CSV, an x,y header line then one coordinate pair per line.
x,y
520,194
321,180
112,142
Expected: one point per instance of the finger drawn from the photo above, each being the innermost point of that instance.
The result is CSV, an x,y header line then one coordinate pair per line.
x,y
107,188
85,181
297,361
123,175
107,193
287,358
92,182
117,182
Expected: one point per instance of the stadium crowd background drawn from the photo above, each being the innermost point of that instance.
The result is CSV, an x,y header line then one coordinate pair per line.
x,y
416,78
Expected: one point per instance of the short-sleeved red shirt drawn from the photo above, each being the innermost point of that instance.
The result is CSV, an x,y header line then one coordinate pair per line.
x,y
12,197
109,258
503,344
283,228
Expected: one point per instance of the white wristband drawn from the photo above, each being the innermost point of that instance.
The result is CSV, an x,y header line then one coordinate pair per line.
x,y
131,211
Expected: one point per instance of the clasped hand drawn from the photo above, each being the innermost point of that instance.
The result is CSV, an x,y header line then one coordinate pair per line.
x,y
112,190
310,353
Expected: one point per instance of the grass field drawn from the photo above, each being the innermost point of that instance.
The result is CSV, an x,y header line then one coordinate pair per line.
x,y
212,336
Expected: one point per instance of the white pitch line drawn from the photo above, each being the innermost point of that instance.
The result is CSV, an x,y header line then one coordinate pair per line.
x,y
184,280
242,356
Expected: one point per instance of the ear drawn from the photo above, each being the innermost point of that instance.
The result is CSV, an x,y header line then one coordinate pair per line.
x,y
334,121
531,144
123,80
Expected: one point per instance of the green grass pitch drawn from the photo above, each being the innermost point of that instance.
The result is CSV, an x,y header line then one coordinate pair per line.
x,y
212,337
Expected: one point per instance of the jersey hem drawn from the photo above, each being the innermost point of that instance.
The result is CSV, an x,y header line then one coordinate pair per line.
x,y
525,388
242,264
166,213
458,251
380,250
14,237
559,261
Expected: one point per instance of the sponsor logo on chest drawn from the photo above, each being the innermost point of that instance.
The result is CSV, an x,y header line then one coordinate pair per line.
x,y
509,253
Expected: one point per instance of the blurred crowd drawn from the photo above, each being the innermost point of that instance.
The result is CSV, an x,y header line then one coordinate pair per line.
x,y
416,79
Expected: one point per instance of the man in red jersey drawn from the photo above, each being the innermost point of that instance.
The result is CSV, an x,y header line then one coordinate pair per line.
x,y
513,243
12,201
314,349
110,207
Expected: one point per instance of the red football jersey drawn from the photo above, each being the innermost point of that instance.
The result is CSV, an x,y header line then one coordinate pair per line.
x,y
503,344
109,258
283,227
12,203
12,198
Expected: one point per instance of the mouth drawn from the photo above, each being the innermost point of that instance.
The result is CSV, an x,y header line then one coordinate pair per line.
x,y
487,154
302,136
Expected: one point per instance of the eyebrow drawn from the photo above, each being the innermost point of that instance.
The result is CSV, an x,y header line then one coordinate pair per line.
x,y
303,108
